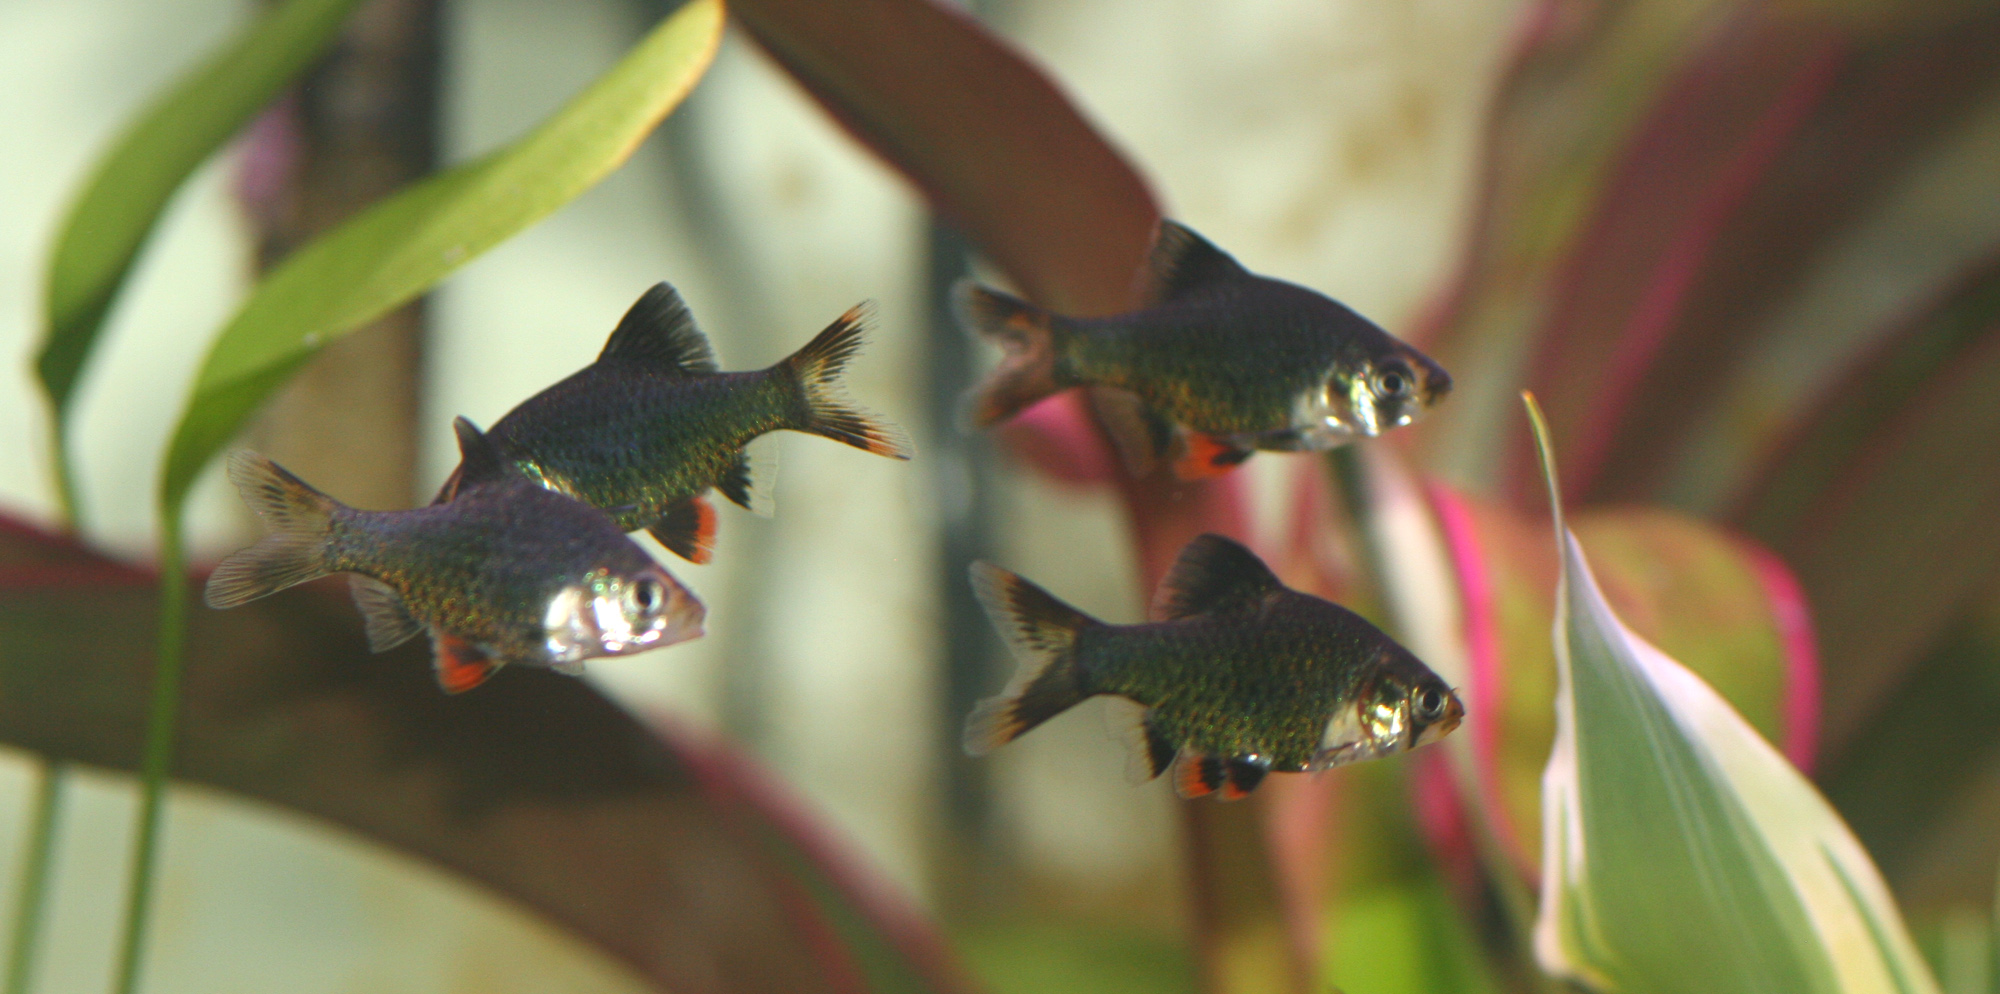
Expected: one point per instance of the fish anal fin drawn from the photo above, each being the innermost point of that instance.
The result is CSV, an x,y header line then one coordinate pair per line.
x,y
688,530
1197,774
388,622
1203,456
1160,749
659,333
748,483
1213,575
1183,262
1242,775
461,665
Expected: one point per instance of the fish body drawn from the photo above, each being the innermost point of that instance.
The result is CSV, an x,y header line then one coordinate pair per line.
x,y
1220,363
1239,675
650,427
507,572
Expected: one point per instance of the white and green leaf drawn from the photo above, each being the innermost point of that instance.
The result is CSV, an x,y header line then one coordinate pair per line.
x,y
1681,851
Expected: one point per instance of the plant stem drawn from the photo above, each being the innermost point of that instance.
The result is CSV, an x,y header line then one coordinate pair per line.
x,y
160,721
30,897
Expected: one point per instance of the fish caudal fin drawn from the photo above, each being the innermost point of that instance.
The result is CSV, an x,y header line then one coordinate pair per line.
x,y
816,371
461,665
1026,333
1042,631
299,518
688,530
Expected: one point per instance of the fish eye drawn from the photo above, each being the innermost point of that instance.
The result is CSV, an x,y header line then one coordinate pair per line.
x,y
648,596
1394,381
1430,704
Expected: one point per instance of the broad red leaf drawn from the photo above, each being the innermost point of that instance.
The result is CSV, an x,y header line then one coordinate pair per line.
x,y
668,852
1887,499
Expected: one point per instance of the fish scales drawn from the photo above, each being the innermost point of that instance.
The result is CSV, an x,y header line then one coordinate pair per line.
x,y
628,442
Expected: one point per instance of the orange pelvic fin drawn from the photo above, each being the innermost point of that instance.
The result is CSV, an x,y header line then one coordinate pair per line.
x,y
461,665
1204,456
1196,775
688,530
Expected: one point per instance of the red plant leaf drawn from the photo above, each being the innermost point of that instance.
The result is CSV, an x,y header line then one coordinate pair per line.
x,y
668,853
1887,498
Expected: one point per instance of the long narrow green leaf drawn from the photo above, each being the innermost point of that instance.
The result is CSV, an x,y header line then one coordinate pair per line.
x,y
365,268
1681,852
402,246
112,217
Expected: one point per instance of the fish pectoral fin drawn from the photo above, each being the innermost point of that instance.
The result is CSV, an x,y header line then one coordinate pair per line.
x,y
687,530
460,664
1143,437
1213,575
1183,262
748,483
1201,456
659,334
388,622
1243,773
1198,775
568,667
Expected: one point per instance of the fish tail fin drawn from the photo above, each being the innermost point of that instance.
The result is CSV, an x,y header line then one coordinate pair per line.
x,y
1027,371
816,369
300,519
1042,631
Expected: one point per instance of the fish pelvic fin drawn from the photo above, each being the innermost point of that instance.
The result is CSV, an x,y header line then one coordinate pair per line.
x,y
1026,334
300,519
1202,456
1213,575
687,530
659,333
1197,774
1042,632
460,664
815,370
388,621
1183,262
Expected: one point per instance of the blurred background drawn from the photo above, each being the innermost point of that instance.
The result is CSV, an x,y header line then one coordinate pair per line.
x,y
1336,144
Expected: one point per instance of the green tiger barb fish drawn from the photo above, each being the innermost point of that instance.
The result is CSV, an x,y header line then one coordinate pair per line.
x,y
1239,675
507,572
1221,362
650,427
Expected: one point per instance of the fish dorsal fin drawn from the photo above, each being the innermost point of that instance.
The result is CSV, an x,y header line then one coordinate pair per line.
x,y
1183,262
659,334
478,458
388,621
1213,576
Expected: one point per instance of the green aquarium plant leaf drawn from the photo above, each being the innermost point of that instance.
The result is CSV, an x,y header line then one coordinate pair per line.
x,y
401,246
129,189
1681,852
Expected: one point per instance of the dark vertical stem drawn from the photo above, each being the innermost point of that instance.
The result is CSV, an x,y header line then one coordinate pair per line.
x,y
359,126
962,477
